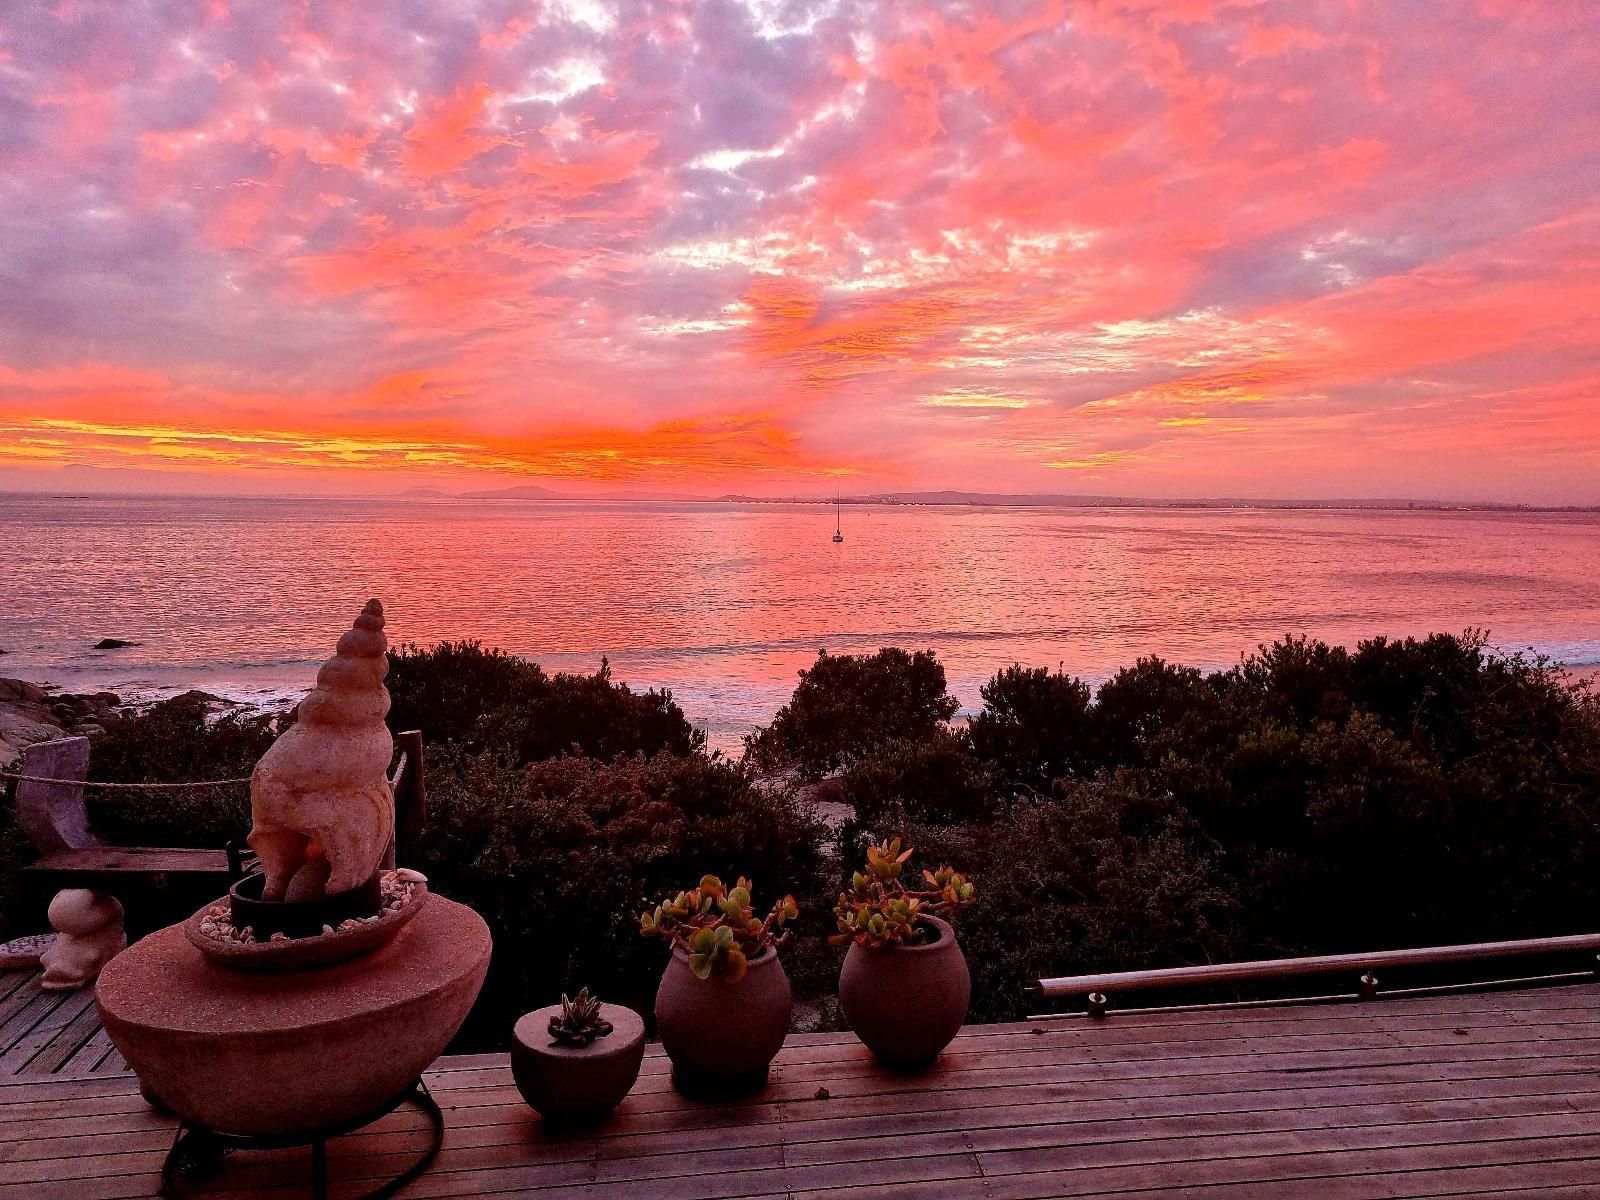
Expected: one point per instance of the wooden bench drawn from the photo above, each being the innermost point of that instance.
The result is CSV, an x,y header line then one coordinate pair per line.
x,y
56,819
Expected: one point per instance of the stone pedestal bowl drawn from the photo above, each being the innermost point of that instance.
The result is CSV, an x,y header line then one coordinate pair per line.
x,y
294,1051
576,1084
352,935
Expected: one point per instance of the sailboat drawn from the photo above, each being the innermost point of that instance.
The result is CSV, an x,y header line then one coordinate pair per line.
x,y
838,531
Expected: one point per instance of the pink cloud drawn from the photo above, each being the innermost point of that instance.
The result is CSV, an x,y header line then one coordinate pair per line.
x,y
1196,247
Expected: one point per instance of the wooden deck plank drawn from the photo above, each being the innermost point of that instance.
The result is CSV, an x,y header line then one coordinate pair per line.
x,y
863,1083
1446,1096
656,1158
483,1123
68,1007
67,1041
91,1052
15,1003
11,980
373,1154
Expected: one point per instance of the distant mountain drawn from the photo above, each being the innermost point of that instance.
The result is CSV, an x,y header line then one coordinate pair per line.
x,y
1056,500
531,491
526,491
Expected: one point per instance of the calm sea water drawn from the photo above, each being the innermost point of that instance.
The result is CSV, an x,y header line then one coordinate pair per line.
x,y
724,603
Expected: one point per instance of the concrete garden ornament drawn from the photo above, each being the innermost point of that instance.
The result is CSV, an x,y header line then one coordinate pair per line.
x,y
575,1061
312,996
321,806
89,925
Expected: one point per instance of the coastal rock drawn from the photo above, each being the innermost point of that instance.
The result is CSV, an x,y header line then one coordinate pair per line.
x,y
25,717
204,699
91,934
30,713
112,644
320,801
20,690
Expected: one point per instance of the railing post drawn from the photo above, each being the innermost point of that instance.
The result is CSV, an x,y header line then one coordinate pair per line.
x,y
1369,986
1097,1005
410,804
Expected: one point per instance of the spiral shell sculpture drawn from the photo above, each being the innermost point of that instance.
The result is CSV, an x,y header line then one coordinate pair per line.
x,y
321,805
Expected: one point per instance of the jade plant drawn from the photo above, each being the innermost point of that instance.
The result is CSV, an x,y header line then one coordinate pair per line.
x,y
717,928
879,910
579,1022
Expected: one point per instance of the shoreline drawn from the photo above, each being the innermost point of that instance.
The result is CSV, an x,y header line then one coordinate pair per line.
x,y
33,711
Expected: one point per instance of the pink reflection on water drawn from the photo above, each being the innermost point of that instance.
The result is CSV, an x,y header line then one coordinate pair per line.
x,y
726,603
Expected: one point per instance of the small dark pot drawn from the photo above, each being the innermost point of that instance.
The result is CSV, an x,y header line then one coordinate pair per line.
x,y
907,1002
576,1085
303,918
721,1036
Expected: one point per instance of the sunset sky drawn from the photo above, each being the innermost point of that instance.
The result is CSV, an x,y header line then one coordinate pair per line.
x,y
1147,248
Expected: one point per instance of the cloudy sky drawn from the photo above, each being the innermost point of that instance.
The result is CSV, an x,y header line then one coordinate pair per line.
x,y
1154,247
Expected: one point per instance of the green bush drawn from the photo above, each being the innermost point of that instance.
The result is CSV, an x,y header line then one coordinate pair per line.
x,y
460,692
444,690
1034,725
1102,875
846,704
937,778
178,740
561,857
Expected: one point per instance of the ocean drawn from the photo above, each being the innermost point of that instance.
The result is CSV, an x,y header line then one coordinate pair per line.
x,y
724,603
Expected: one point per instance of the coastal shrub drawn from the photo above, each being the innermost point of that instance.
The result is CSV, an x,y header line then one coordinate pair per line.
x,y
1034,726
1145,711
935,778
443,690
16,852
560,858
459,691
178,740
1103,874
590,716
1404,793
847,704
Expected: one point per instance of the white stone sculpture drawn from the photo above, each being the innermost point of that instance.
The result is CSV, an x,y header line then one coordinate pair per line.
x,y
320,801
91,934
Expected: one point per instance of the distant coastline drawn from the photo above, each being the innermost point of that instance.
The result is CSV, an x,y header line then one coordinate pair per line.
x,y
533,492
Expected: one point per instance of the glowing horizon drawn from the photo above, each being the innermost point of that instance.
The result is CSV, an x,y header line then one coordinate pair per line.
x,y
1162,249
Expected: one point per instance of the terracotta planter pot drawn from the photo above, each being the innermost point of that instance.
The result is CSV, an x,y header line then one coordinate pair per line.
x,y
906,1002
723,1036
577,1084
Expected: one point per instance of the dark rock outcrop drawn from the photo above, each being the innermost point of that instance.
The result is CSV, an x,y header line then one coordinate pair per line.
x,y
30,713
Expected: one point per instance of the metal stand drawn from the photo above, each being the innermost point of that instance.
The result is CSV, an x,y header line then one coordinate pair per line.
x,y
197,1152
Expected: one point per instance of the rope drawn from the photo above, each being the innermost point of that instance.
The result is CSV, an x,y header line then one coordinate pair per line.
x,y
399,770
144,787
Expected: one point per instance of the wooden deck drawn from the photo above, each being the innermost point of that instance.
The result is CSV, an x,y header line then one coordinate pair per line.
x,y
47,1033
1490,1094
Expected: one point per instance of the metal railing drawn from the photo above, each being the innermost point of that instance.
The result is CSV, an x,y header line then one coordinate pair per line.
x,y
1096,990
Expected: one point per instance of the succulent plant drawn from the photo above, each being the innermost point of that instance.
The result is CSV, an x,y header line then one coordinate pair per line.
x,y
880,910
717,927
579,1022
